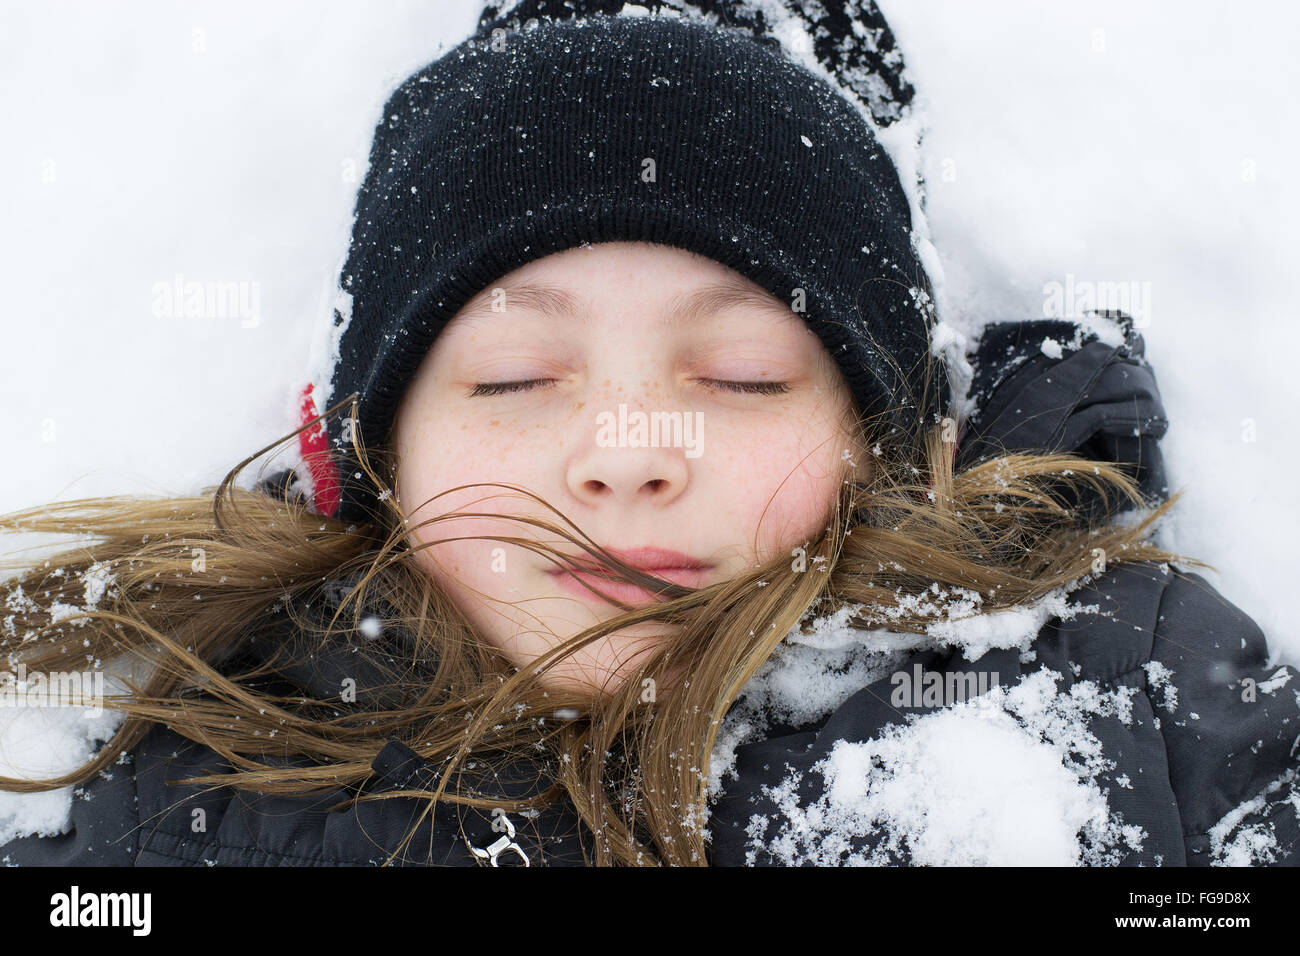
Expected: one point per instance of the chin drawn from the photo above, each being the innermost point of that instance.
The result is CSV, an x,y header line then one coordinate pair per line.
x,y
604,668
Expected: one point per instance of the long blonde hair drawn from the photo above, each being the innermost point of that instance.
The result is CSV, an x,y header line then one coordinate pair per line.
x,y
192,578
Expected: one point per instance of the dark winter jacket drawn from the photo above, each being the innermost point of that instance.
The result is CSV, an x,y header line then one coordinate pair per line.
x,y
1198,766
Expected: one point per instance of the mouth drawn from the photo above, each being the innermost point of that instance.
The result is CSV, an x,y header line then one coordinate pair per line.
x,y
672,566
649,560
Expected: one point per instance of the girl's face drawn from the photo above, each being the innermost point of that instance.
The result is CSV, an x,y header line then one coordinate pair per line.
x,y
603,379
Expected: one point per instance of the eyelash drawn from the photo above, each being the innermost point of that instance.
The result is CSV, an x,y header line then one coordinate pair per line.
x,y
755,388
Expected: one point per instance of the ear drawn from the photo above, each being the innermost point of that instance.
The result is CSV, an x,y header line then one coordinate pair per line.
x,y
857,445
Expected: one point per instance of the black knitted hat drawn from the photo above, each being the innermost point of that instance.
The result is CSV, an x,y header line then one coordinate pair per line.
x,y
533,137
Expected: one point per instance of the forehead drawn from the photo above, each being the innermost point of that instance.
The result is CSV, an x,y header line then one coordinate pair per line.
x,y
685,306
564,283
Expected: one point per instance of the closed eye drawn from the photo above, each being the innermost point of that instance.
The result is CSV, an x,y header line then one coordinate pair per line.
x,y
501,388
759,388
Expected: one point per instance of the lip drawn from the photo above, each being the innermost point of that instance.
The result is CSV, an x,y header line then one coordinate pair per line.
x,y
673,566
650,560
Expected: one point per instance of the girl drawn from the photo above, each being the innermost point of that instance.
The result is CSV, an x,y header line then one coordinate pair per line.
x,y
643,526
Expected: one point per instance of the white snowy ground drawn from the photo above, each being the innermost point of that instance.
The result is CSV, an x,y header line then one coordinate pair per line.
x,y
1150,144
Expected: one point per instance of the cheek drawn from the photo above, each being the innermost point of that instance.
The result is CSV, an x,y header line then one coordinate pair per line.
x,y
448,451
446,455
780,484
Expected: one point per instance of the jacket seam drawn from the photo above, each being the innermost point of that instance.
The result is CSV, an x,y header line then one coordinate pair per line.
x,y
218,845
1146,691
1155,635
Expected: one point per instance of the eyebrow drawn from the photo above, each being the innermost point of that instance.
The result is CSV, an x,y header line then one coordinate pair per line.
x,y
683,308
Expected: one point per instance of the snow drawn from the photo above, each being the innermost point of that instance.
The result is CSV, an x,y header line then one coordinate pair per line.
x,y
1279,680
810,674
43,741
962,622
1234,842
1159,677
806,678
1005,781
1126,160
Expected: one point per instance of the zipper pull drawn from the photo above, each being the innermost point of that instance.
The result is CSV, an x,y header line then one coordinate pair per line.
x,y
500,824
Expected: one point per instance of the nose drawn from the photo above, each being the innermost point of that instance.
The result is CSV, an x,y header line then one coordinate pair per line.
x,y
627,473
